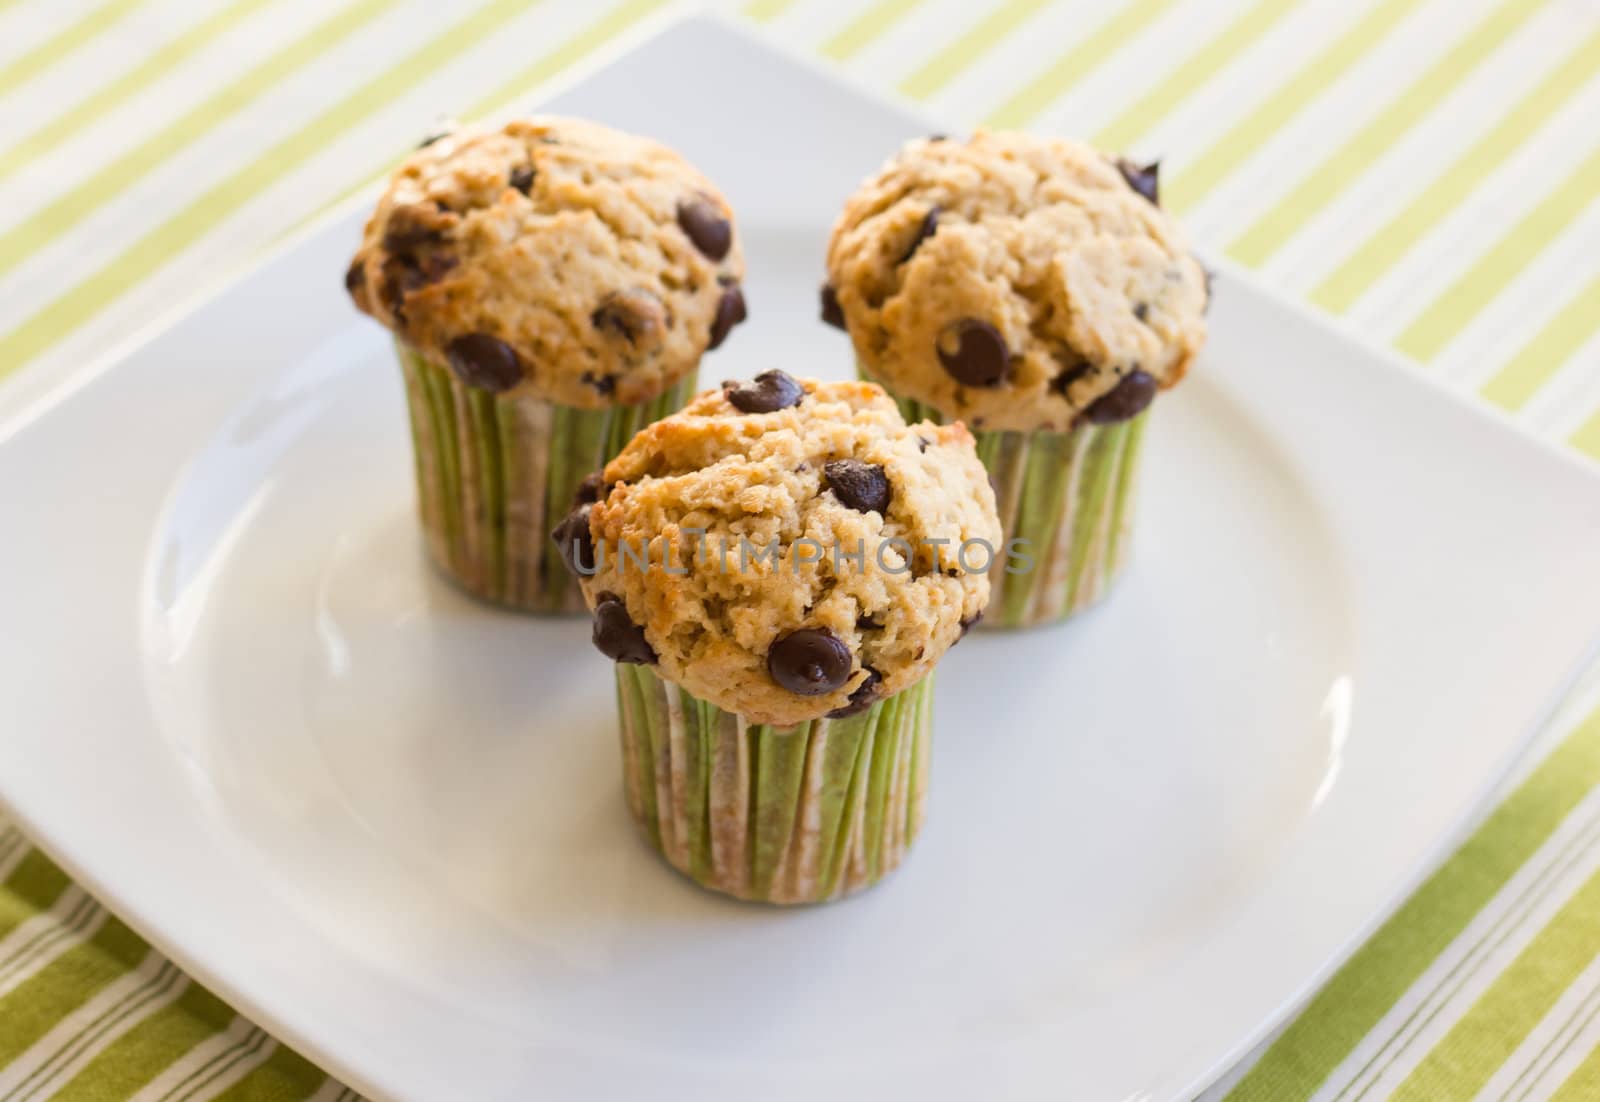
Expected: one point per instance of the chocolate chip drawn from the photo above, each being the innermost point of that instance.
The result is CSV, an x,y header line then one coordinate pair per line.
x,y
633,315
968,625
355,278
1141,310
1071,375
974,353
832,312
730,312
485,362
617,636
591,489
862,697
867,623
768,392
576,541
922,443
1142,178
929,226
522,178
1125,400
711,233
603,384
860,486
809,662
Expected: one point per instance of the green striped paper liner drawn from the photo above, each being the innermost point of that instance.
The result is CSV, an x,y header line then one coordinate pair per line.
x,y
802,814
495,473
1067,497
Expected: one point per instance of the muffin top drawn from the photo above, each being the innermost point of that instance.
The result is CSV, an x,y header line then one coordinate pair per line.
x,y
834,566
577,264
1016,282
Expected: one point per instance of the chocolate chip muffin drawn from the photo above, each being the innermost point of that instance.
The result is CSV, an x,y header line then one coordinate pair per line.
x,y
1033,288
551,285
776,570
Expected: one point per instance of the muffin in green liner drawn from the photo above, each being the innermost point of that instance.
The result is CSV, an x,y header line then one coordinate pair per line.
x,y
497,472
799,814
1065,501
551,285
777,569
1033,289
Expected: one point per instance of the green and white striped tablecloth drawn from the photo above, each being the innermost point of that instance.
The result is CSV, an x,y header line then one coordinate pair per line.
x,y
1427,170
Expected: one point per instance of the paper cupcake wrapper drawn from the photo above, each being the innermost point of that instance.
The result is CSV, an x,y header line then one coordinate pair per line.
x,y
1068,496
495,473
779,815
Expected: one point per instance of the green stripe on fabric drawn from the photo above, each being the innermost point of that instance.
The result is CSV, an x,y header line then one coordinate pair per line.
x,y
207,211
867,28
149,1048
1448,189
1282,104
1362,992
1205,63
1070,68
33,886
763,10
53,132
968,47
22,69
35,1006
86,195
1336,172
1485,1037
1587,438
1474,289
285,1076
1583,1085
1539,359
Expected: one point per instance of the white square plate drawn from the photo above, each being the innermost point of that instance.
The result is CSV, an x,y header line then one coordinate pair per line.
x,y
388,822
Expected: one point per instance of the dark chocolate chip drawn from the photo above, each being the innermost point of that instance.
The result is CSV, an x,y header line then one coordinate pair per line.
x,y
922,443
711,233
861,486
730,312
591,489
974,353
768,392
968,625
1071,375
809,662
355,277
522,178
867,623
617,636
929,226
485,362
832,312
603,384
1127,399
576,541
1141,310
862,697
633,315
1142,178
